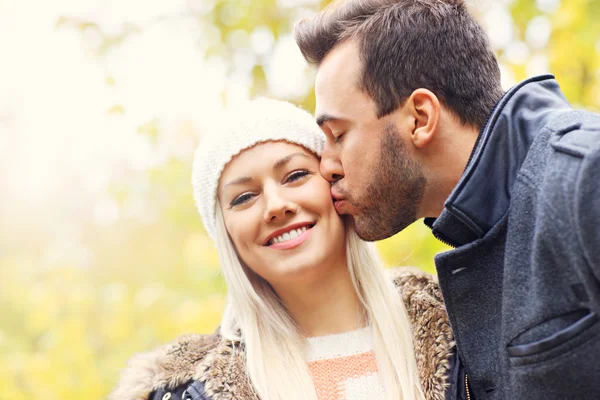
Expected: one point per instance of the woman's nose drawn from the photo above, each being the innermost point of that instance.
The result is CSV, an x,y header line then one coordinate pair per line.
x,y
277,206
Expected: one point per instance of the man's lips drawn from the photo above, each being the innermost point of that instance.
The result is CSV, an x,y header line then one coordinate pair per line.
x,y
339,202
339,205
336,195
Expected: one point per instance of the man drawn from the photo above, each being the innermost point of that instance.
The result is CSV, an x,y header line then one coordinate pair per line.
x,y
409,97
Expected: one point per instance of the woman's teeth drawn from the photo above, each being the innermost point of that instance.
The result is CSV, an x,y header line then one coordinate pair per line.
x,y
294,233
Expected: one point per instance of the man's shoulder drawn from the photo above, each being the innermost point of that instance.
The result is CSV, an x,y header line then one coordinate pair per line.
x,y
570,159
167,366
576,133
557,159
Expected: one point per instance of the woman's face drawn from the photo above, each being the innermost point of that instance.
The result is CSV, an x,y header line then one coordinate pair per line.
x,y
279,213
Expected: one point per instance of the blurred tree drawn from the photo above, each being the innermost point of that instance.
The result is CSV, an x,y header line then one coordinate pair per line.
x,y
565,36
66,329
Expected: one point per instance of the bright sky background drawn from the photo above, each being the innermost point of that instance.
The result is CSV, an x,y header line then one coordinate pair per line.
x,y
60,144
55,100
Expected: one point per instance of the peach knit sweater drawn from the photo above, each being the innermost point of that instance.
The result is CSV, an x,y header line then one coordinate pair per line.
x,y
343,366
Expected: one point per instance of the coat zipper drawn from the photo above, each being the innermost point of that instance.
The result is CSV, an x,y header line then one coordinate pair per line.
x,y
443,240
467,387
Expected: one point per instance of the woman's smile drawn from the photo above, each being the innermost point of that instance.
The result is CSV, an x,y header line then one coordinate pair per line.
x,y
291,237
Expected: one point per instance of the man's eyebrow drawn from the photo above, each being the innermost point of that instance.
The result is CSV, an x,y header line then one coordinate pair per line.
x,y
327,118
287,159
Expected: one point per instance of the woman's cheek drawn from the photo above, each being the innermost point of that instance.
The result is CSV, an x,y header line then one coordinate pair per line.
x,y
322,191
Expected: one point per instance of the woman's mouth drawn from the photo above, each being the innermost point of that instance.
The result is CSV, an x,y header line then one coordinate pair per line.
x,y
291,238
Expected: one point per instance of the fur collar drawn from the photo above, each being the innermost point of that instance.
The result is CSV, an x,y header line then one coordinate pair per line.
x,y
220,365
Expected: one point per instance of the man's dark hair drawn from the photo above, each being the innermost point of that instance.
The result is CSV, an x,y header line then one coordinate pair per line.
x,y
411,44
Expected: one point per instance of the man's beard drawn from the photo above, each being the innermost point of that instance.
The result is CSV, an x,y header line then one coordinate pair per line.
x,y
393,196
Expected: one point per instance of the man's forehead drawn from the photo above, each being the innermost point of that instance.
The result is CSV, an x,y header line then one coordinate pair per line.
x,y
336,83
340,65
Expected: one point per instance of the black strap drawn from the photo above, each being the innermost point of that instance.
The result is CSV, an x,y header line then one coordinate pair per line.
x,y
193,390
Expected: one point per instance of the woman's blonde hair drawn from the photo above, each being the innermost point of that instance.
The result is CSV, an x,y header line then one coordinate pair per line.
x,y
274,346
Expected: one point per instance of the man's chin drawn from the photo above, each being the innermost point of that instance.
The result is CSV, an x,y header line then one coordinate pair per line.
x,y
370,232
365,231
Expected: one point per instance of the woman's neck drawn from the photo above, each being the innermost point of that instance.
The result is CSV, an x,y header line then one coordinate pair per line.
x,y
325,306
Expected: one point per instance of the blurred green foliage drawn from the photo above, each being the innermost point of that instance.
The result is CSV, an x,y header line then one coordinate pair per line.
x,y
67,330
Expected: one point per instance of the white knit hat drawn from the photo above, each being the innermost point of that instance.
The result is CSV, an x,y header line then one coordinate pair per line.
x,y
255,121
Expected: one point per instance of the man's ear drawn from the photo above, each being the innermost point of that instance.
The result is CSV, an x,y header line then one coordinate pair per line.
x,y
424,107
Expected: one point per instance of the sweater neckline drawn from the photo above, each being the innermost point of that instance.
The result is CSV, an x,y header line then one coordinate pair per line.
x,y
339,345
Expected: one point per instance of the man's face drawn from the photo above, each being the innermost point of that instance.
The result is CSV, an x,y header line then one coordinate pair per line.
x,y
367,159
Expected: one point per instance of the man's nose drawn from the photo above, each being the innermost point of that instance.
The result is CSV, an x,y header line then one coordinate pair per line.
x,y
331,167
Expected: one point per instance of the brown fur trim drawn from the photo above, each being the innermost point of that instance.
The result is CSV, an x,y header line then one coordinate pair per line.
x,y
220,364
432,334
137,379
224,373
168,367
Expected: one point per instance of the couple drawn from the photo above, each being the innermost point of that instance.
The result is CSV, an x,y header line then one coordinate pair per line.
x,y
415,125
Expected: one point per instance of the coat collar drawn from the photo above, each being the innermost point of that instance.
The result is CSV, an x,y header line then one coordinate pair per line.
x,y
220,364
483,193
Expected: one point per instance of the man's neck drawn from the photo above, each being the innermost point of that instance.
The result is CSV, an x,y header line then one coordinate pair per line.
x,y
446,166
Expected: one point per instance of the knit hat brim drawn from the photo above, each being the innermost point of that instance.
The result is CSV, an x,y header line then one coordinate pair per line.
x,y
255,122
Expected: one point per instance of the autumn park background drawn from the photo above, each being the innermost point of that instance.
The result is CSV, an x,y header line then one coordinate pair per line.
x,y
102,102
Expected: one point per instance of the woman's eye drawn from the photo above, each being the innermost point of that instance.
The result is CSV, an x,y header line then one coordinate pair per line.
x,y
244,198
338,137
294,176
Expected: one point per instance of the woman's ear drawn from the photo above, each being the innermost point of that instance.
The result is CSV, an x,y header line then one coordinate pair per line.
x,y
425,109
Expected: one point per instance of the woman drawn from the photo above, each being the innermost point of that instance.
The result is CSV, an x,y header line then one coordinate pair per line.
x,y
311,313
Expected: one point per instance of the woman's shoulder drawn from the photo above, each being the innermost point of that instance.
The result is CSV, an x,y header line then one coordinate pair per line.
x,y
432,334
167,367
